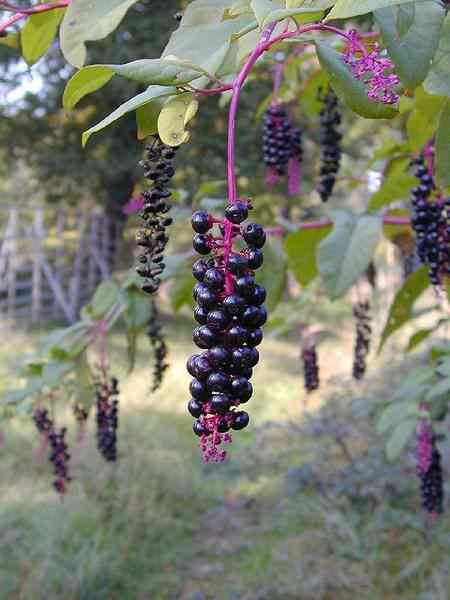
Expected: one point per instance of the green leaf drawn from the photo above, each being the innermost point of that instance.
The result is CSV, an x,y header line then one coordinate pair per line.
x,y
87,21
12,40
399,438
167,71
413,48
352,91
54,373
423,121
105,297
438,81
85,81
151,93
137,309
401,309
301,248
38,33
173,118
273,273
419,337
343,9
346,252
395,414
181,290
438,390
269,11
147,119
442,145
397,184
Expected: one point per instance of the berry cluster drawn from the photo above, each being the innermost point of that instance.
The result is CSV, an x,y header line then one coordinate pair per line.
x,y
361,312
59,456
152,236
431,223
107,418
310,368
282,148
230,314
81,414
155,333
429,470
42,421
330,143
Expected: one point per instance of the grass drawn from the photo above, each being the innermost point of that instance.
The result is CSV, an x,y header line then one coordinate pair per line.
x,y
161,526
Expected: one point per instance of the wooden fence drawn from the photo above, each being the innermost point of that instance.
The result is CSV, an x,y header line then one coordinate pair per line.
x,y
51,260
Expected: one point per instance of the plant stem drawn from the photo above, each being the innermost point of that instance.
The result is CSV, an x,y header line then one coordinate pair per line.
x,y
23,13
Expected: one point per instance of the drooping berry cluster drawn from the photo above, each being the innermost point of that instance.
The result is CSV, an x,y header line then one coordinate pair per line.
x,y
230,314
361,312
42,421
107,418
155,333
81,414
282,148
310,368
60,457
429,470
431,223
152,236
330,143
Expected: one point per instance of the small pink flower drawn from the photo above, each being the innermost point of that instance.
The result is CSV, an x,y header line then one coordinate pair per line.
x,y
372,69
133,205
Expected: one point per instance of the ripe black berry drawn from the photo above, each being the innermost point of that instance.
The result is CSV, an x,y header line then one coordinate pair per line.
x,y
255,258
201,244
330,140
236,213
238,264
195,408
204,337
214,279
254,235
310,368
201,222
240,421
199,269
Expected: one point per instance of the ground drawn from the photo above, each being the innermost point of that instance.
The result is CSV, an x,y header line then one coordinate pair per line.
x,y
286,518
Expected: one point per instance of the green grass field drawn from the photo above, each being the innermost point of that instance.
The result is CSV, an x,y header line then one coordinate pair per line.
x,y
160,525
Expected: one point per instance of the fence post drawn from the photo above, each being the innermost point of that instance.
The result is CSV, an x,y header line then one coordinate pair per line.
x,y
36,290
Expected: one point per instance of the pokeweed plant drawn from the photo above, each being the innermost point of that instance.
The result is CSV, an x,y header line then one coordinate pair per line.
x,y
378,74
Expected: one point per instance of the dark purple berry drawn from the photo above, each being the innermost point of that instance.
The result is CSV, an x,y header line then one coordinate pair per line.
x,y
198,390
195,408
240,421
214,279
254,337
218,319
242,389
219,356
200,243
204,337
200,315
201,222
199,269
236,213
218,382
255,258
254,235
220,403
237,264
234,305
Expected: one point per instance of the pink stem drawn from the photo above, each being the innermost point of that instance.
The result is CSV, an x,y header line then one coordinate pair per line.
x,y
22,13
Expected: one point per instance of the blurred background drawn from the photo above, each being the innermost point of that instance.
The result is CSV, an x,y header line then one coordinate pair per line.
x,y
307,506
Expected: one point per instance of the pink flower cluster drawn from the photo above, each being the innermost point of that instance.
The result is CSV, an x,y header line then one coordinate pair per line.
x,y
209,444
424,447
372,69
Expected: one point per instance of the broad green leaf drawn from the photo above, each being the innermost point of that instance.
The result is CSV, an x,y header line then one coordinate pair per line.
x,y
151,93
343,9
85,81
442,145
147,119
272,275
397,185
394,414
105,297
173,118
438,80
352,91
401,309
38,33
181,290
137,309
12,40
438,390
423,121
301,249
167,71
400,437
413,49
346,252
269,11
204,37
54,373
88,21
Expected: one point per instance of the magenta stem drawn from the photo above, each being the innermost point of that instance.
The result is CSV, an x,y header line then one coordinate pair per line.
x,y
22,13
